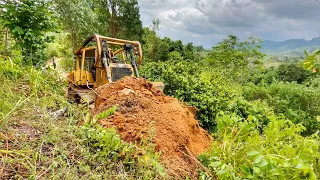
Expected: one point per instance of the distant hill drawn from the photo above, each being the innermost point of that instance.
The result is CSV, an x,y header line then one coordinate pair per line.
x,y
294,47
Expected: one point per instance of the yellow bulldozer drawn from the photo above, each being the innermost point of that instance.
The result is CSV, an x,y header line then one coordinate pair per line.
x,y
102,60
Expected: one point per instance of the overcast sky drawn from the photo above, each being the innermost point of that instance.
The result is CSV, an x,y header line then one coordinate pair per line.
x,y
206,22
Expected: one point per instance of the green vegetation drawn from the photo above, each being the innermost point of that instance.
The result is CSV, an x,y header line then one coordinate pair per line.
x,y
296,102
158,49
265,119
280,152
312,61
36,143
114,18
28,22
190,82
233,55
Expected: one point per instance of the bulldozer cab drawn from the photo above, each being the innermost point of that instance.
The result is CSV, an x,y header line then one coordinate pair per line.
x,y
101,60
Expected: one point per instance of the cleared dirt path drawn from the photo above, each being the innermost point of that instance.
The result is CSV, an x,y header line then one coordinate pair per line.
x,y
59,67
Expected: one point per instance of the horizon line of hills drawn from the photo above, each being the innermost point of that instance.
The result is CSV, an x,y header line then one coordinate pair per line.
x,y
291,47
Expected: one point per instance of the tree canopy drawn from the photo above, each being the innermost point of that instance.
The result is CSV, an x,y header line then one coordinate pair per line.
x,y
115,18
29,21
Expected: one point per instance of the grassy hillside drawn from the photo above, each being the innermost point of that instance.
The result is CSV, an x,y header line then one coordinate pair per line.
x,y
37,142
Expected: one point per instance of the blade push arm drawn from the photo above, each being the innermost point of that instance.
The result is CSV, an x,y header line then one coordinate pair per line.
x,y
128,48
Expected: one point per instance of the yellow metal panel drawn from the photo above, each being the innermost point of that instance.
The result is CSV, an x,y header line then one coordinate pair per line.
x,y
82,63
101,77
77,75
77,63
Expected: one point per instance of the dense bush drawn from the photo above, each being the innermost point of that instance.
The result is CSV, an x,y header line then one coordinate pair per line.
x,y
285,72
175,56
297,102
29,22
262,120
262,130
313,81
240,151
208,90
265,76
257,111
60,47
292,72
211,92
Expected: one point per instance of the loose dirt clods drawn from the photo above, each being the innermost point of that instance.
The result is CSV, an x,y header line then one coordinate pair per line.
x,y
142,109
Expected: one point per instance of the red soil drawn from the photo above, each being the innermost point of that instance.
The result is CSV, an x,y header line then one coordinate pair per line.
x,y
142,109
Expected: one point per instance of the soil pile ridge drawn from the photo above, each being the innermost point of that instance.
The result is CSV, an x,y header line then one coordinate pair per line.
x,y
142,109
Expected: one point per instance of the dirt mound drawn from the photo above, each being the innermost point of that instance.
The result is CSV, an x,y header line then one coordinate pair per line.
x,y
143,109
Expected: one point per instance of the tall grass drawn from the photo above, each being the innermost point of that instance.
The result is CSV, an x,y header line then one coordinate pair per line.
x,y
36,145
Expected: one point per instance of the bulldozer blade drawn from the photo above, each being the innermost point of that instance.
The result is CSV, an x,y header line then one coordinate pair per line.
x,y
81,95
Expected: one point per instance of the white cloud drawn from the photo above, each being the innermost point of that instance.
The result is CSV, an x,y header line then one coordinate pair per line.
x,y
209,21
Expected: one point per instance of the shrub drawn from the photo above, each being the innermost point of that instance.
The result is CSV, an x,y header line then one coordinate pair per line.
x,y
292,72
60,47
264,77
241,152
67,64
206,89
29,21
104,147
297,102
313,81
258,111
175,56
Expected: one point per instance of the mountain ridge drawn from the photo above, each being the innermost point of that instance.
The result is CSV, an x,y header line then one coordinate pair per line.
x,y
290,47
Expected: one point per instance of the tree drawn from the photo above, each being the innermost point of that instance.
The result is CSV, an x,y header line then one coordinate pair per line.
x,y
29,21
125,19
199,48
189,52
2,43
113,22
151,41
130,25
82,18
234,55
164,49
178,46
292,72
115,18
